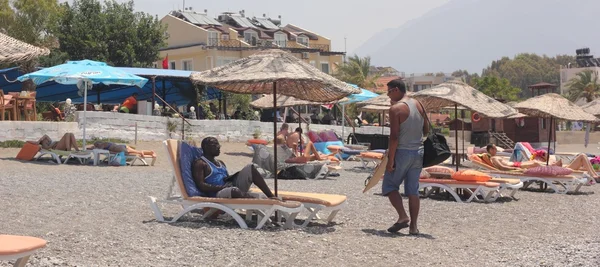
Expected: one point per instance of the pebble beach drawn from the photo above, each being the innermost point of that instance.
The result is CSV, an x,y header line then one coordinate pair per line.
x,y
100,216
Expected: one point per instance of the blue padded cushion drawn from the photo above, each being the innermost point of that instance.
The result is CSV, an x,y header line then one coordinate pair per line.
x,y
322,147
187,156
349,151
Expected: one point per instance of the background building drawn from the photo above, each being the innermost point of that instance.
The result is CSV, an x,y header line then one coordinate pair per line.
x,y
197,41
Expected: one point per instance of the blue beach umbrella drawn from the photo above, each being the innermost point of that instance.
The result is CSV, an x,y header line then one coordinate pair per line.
x,y
84,74
364,95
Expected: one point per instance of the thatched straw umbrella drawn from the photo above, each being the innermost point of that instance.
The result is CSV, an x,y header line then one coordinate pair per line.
x,y
592,107
457,93
551,106
273,71
379,109
13,50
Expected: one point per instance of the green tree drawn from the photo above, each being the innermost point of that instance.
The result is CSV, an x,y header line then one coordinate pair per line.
x,y
527,69
356,71
495,87
585,85
110,32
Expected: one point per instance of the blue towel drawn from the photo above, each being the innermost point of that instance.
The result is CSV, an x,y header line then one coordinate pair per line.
x,y
187,156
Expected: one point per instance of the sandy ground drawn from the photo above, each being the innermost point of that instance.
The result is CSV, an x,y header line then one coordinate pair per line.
x,y
100,216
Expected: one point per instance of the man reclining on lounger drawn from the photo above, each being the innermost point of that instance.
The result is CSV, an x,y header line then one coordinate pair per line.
x,y
66,143
213,179
116,148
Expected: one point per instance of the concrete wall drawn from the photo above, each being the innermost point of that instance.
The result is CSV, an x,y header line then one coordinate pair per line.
x,y
29,131
152,128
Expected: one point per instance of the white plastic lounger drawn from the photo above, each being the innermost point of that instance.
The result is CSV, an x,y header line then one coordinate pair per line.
x,y
265,208
484,191
56,155
19,248
314,203
567,183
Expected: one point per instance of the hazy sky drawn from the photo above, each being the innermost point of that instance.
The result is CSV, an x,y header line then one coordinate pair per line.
x,y
335,19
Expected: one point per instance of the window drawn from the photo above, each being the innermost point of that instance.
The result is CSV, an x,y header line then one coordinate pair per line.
x,y
281,39
155,65
213,38
543,123
224,37
415,88
325,67
187,64
303,40
172,65
250,37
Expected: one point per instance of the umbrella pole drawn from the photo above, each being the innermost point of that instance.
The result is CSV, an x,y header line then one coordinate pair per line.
x,y
456,158
343,120
275,134
549,138
382,121
299,126
85,86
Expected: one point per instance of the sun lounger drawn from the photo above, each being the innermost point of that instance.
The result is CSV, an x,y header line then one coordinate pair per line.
x,y
82,156
265,208
19,248
370,157
56,155
512,185
263,158
567,182
314,203
484,191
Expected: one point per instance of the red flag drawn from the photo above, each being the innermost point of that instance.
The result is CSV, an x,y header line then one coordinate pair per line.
x,y
165,62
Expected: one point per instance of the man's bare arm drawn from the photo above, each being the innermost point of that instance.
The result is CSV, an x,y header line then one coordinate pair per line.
x,y
395,115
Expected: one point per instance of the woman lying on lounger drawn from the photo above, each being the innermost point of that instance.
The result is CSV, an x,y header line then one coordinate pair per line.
x,y
66,143
116,148
580,162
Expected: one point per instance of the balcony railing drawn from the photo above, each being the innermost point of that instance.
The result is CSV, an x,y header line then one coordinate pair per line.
x,y
234,44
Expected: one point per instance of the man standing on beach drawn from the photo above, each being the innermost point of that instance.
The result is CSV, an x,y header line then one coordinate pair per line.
x,y
405,155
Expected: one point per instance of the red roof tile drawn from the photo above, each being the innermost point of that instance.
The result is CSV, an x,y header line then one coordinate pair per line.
x,y
381,84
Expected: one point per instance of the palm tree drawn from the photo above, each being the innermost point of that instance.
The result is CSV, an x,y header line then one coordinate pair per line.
x,y
585,85
357,71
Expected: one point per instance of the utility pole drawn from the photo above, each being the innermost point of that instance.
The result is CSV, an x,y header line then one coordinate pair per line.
x,y
184,5
345,49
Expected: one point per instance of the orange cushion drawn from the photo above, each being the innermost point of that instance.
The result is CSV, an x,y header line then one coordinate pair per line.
x,y
373,155
448,181
12,244
28,151
257,142
471,176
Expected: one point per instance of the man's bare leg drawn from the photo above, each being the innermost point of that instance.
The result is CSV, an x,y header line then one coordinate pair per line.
x,y
259,181
67,142
582,162
396,200
414,204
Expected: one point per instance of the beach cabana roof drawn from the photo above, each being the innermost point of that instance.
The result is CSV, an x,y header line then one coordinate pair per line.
x,y
13,50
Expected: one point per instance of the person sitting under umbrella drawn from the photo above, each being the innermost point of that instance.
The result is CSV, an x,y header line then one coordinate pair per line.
x,y
213,179
66,143
129,104
310,151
